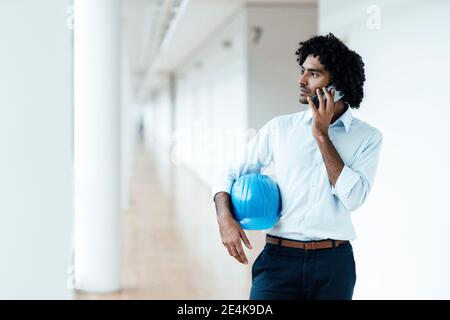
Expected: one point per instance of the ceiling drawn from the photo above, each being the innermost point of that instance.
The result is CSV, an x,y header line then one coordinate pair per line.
x,y
155,30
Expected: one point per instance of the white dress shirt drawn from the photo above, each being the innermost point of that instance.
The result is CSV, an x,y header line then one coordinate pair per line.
x,y
312,209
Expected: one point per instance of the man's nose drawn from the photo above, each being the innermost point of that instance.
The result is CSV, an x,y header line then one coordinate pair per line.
x,y
302,81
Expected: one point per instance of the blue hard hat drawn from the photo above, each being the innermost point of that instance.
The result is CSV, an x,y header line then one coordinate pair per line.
x,y
256,201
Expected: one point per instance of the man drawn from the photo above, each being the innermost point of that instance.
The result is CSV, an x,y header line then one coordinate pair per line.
x,y
325,162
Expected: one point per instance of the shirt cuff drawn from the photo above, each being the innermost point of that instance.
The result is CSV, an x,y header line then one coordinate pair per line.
x,y
345,182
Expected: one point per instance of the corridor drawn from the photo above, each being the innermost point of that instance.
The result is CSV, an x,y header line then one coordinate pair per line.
x,y
121,118
170,240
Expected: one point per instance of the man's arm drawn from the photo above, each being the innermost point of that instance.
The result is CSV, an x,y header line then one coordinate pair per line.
x,y
222,201
322,119
230,230
258,154
331,158
350,185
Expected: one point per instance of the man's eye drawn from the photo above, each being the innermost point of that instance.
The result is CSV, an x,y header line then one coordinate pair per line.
x,y
314,75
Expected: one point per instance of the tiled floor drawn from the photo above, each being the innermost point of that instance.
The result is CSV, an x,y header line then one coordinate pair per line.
x,y
171,247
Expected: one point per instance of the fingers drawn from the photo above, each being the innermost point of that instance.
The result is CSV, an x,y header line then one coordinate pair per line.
x,y
241,257
235,250
321,99
327,93
312,105
245,239
330,98
232,250
231,235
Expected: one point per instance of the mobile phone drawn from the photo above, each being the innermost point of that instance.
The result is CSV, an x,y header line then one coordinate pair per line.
x,y
337,95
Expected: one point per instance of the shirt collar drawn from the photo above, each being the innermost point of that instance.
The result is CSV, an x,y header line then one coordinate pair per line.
x,y
345,118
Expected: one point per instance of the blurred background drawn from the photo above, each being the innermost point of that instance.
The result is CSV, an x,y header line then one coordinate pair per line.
x,y
116,114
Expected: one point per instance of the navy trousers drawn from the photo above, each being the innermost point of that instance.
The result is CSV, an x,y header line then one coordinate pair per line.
x,y
285,273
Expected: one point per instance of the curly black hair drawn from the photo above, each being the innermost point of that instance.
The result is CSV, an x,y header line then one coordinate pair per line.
x,y
344,65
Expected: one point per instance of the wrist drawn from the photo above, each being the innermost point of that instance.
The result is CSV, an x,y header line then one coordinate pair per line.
x,y
322,138
224,216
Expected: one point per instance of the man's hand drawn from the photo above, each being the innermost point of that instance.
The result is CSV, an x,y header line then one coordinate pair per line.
x,y
322,115
231,234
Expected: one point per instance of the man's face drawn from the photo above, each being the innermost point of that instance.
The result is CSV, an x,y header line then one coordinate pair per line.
x,y
312,76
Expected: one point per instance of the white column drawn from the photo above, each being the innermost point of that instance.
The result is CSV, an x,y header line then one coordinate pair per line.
x,y
97,145
128,127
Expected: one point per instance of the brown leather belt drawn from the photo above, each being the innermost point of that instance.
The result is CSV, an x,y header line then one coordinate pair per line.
x,y
310,245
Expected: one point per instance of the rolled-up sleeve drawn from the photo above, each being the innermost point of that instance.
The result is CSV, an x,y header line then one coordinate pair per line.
x,y
257,155
355,181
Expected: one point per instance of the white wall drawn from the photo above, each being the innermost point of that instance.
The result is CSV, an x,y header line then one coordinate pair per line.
x,y
159,125
162,113
211,111
273,71
36,150
403,246
222,91
211,99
